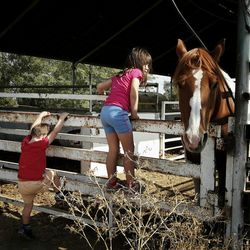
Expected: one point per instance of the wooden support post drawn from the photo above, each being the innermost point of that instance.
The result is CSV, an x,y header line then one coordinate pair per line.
x,y
241,112
207,179
229,181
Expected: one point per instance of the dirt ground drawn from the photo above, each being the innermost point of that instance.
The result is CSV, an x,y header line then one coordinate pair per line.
x,y
53,233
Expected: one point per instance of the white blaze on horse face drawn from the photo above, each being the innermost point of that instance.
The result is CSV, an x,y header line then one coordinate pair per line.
x,y
195,104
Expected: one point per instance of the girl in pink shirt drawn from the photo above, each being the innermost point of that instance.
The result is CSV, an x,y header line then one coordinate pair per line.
x,y
123,100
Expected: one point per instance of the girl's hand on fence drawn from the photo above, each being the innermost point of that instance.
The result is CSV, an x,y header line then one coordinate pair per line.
x,y
99,90
134,117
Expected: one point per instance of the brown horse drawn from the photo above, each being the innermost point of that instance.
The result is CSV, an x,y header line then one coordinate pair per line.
x,y
204,97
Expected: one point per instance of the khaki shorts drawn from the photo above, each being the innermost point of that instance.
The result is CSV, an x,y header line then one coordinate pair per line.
x,y
29,189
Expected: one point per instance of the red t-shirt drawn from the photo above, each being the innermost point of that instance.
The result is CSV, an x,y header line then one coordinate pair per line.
x,y
32,162
120,90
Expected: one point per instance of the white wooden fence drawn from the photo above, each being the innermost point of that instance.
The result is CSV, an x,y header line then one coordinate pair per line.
x,y
151,164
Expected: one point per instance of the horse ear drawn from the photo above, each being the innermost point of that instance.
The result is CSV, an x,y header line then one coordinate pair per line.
x,y
219,50
180,48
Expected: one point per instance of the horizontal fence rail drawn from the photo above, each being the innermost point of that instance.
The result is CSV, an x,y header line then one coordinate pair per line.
x,y
54,96
141,125
151,164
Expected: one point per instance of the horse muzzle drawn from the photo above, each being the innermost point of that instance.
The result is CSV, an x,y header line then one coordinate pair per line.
x,y
196,145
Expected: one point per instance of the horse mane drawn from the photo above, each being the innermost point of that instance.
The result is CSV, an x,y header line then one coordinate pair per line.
x,y
195,59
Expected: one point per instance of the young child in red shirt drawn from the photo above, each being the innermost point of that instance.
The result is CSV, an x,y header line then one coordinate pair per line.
x,y
33,177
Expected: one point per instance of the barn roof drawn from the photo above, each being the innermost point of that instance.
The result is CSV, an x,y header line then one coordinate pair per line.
x,y
102,32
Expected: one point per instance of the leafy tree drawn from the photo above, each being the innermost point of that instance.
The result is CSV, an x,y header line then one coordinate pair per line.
x,y
21,70
24,74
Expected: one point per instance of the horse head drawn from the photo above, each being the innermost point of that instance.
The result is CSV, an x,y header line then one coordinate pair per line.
x,y
202,91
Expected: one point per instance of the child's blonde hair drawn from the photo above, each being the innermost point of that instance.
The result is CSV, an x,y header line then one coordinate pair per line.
x,y
40,130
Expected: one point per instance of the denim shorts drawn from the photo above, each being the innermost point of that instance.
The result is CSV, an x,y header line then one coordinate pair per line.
x,y
115,120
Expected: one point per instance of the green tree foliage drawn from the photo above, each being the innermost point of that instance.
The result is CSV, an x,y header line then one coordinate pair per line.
x,y
21,70
25,74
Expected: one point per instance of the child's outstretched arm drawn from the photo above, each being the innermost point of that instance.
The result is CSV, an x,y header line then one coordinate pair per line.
x,y
105,85
58,127
39,119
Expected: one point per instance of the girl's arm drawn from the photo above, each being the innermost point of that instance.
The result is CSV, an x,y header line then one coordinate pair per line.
x,y
105,85
134,98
